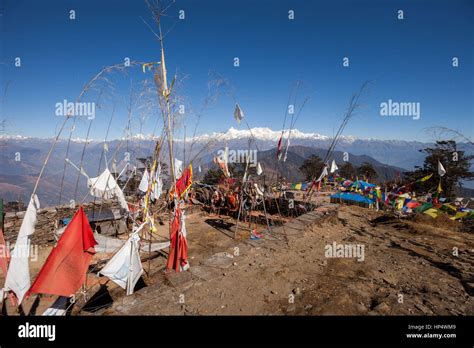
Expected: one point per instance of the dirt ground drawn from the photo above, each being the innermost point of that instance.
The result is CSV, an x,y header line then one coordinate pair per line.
x,y
409,267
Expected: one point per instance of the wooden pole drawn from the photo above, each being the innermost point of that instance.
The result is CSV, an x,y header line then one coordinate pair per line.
x,y
48,156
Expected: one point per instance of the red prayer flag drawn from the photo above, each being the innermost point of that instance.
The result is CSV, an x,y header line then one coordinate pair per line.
x,y
178,255
64,271
184,182
4,261
279,147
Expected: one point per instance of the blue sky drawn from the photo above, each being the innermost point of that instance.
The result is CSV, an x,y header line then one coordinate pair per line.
x,y
407,60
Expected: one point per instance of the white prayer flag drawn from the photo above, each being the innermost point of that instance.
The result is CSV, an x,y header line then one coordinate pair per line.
x,y
178,168
102,186
441,170
323,174
287,147
121,198
238,113
125,267
334,167
144,182
259,169
18,275
258,190
185,234
157,184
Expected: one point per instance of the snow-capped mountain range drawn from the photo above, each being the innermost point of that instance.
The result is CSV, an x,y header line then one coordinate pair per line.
x,y
259,133
21,157
399,153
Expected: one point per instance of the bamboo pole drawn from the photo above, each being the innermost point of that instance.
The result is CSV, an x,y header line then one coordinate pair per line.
x,y
48,156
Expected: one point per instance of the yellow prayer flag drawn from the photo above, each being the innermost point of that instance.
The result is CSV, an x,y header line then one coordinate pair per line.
x,y
459,215
432,212
379,193
423,179
400,202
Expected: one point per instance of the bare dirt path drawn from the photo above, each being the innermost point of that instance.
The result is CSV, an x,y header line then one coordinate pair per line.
x,y
408,268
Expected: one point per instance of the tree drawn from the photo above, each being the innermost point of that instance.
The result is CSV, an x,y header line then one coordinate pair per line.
x,y
212,176
347,170
456,163
237,170
367,170
312,167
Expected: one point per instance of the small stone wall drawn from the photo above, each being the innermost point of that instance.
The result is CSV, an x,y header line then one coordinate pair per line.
x,y
48,219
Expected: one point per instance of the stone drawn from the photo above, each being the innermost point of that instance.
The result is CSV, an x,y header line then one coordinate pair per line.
x,y
296,291
205,273
220,260
182,280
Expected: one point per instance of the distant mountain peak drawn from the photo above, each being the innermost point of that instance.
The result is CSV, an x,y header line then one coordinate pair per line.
x,y
140,136
266,134
12,137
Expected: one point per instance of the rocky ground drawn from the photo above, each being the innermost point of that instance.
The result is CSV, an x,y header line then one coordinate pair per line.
x,y
409,267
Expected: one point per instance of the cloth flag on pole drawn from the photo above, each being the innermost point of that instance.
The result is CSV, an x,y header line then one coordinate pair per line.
x,y
286,149
279,147
144,182
18,276
125,267
441,170
427,177
238,113
121,198
65,269
157,183
259,169
258,190
184,182
378,192
323,174
222,165
178,167
178,254
440,189
334,167
222,162
104,186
